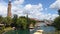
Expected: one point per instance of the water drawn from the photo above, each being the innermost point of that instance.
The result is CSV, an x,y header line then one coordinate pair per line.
x,y
18,32
48,29
44,28
31,31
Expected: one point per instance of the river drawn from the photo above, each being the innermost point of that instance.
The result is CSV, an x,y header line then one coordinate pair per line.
x,y
31,31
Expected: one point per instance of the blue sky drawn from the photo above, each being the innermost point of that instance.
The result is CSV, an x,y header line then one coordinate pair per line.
x,y
38,8
45,3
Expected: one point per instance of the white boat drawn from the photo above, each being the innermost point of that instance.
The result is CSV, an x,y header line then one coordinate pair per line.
x,y
39,32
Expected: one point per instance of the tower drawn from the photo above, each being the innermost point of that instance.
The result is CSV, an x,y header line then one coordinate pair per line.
x,y
9,9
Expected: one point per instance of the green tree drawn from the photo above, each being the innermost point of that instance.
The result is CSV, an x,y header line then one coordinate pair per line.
x,y
7,20
22,22
59,11
15,18
1,19
33,22
57,23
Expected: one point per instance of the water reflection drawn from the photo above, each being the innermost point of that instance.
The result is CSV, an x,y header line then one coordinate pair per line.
x,y
44,28
31,31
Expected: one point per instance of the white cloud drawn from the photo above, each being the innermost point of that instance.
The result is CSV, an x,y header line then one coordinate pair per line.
x,y
47,16
3,8
28,6
56,4
33,10
17,2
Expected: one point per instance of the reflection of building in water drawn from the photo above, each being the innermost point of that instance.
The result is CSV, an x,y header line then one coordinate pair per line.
x,y
9,9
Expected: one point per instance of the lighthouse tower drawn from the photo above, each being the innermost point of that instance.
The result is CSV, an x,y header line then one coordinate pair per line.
x,y
9,9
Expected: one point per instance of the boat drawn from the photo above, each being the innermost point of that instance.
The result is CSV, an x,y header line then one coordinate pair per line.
x,y
39,32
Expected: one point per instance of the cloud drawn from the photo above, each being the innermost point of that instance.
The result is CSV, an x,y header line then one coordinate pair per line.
x,y
29,6
35,11
17,2
33,8
56,4
3,8
48,16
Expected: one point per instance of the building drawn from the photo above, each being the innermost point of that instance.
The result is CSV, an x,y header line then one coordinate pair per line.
x,y
9,14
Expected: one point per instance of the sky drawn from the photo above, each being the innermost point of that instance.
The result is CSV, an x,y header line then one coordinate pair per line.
x,y
39,9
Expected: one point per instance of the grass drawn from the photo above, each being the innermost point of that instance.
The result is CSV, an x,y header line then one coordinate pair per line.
x,y
4,30
8,29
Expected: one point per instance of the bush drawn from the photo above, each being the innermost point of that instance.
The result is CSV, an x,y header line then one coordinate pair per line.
x,y
57,23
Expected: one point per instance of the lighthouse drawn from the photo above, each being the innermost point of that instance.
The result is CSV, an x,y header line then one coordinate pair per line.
x,y
9,9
